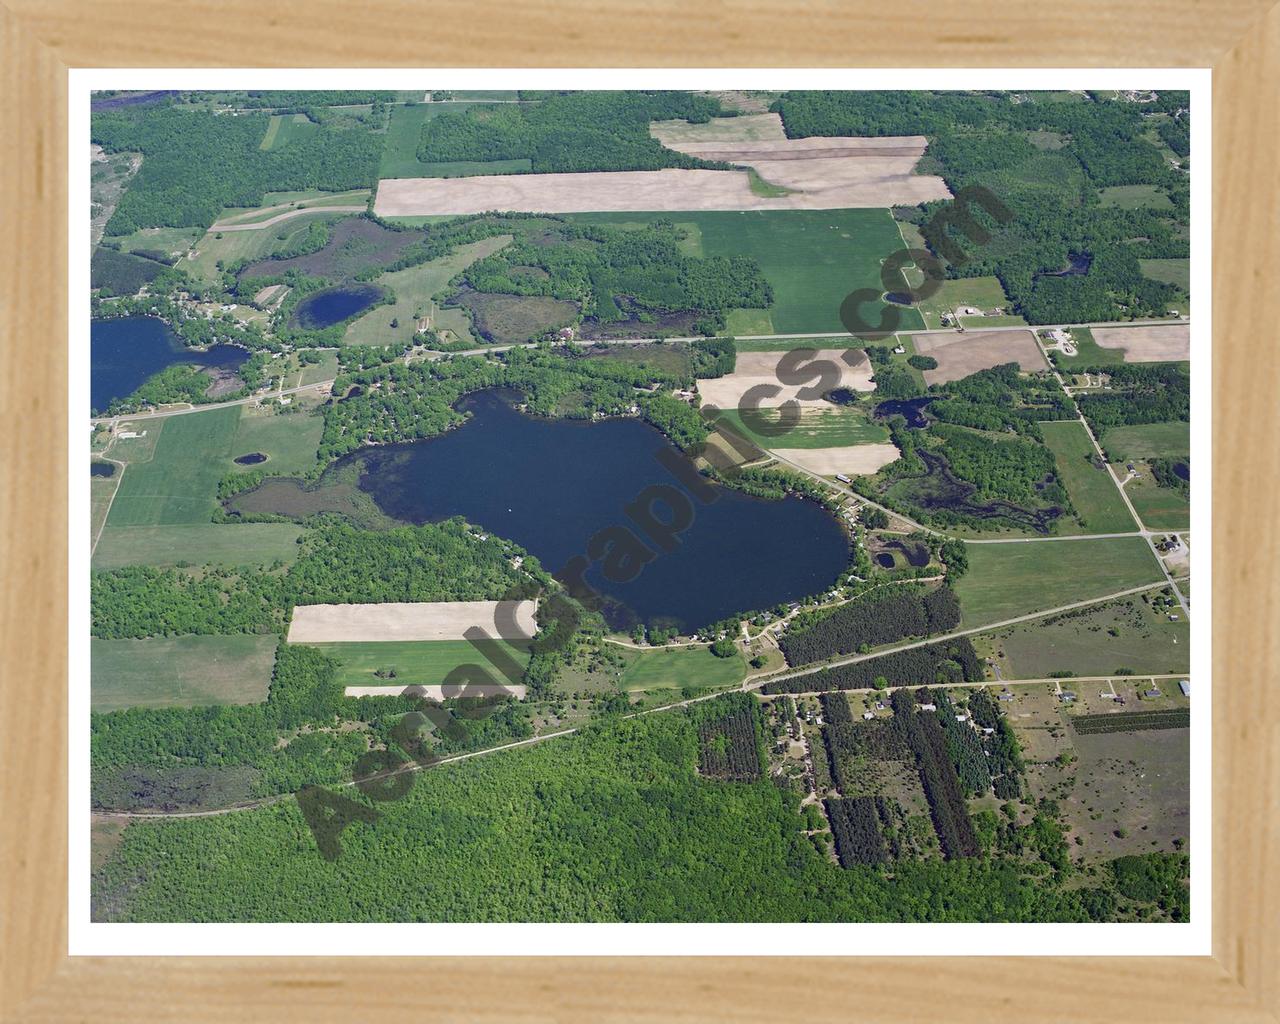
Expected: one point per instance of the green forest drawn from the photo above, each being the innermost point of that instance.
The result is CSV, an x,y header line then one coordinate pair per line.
x,y
984,139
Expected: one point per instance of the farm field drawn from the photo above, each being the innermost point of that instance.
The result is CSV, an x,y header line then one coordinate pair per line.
x,y
197,544
1147,441
404,131
426,662
659,669
1177,272
179,483
423,620
756,369
1159,508
1148,344
284,128
960,355
1093,492
234,246
835,427
101,491
1013,578
186,671
1093,641
413,289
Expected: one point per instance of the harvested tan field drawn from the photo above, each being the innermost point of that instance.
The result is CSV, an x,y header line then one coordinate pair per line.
x,y
1158,343
832,180
761,368
852,461
959,355
444,620
436,692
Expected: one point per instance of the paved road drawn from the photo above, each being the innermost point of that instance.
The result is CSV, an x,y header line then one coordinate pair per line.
x,y
985,682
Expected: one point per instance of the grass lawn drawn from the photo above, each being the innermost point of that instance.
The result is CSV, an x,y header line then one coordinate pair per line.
x,y
174,241
289,440
1147,441
197,544
1092,642
979,292
838,427
1012,578
1099,507
101,491
678,667
1159,508
184,671
748,321
1135,197
179,483
813,258
1088,352
413,288
415,661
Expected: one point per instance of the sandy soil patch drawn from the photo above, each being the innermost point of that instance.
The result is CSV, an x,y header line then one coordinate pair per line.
x,y
1158,343
834,182
437,692
444,620
761,368
856,460
959,355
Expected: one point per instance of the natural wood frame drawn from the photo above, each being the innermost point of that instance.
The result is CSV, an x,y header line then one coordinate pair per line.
x,y
40,39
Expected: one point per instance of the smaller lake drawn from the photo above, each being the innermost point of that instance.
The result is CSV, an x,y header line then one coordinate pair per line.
x,y
1077,263
911,409
333,305
102,469
125,351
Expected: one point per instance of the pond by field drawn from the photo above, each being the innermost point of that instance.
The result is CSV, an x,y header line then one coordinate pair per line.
x,y
1092,641
405,663
413,288
1014,578
1099,506
289,440
676,667
1147,440
186,671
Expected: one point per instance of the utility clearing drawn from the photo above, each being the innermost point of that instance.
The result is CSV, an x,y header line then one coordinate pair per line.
x,y
426,620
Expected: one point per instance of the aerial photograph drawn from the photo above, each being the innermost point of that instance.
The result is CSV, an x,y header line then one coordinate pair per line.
x,y
639,506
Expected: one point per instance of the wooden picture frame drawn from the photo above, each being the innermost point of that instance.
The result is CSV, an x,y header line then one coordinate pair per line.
x,y
41,39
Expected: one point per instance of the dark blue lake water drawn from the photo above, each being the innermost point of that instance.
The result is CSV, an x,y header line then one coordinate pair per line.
x,y
125,352
333,305
550,485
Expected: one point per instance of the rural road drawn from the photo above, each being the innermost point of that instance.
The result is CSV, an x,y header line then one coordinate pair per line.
x,y
298,212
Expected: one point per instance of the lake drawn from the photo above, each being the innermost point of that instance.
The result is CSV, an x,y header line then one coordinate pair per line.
x,y
124,352
911,409
333,305
551,484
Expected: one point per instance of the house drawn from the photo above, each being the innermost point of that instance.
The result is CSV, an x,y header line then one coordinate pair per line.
x,y
1185,686
1153,692
899,350
1066,696
928,707
1006,696
868,715
962,718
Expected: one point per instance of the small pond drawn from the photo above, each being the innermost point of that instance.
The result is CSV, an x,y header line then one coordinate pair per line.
x,y
911,409
252,459
102,469
334,305
1182,470
841,396
1077,263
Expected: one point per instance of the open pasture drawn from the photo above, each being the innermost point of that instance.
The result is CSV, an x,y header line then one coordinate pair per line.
x,y
1171,271
186,671
288,440
983,293
1014,578
1135,197
197,544
760,370
960,355
1093,491
1159,508
1153,343
1147,440
426,620
673,668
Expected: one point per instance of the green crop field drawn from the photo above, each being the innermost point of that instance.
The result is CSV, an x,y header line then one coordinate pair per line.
x,y
197,544
426,662
1009,579
1177,272
400,151
289,440
1148,441
179,483
1093,491
185,671
677,667
818,428
1159,508
413,289
1093,641
813,258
